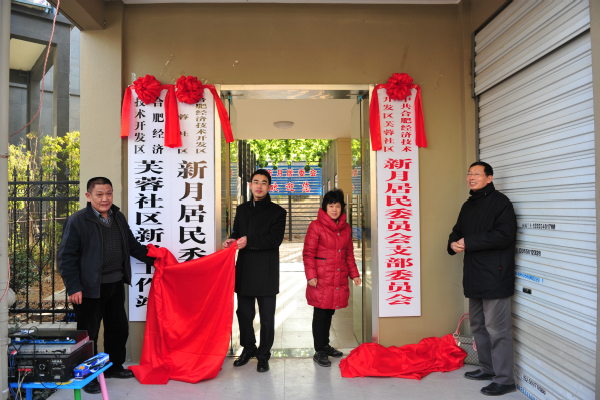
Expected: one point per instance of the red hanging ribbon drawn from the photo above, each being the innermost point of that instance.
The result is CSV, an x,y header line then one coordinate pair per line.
x,y
222,114
398,88
189,91
172,131
126,112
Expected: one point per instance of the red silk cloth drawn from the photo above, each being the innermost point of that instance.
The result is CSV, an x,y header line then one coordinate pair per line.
x,y
412,361
398,88
189,317
148,89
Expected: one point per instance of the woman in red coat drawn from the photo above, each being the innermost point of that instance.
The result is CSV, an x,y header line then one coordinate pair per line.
x,y
328,262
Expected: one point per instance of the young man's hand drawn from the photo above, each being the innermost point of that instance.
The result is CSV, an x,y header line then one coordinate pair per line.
x,y
242,242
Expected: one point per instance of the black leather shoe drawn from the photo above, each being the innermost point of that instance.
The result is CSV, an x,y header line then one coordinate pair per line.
x,y
243,359
262,366
93,387
479,375
320,358
331,352
497,389
120,374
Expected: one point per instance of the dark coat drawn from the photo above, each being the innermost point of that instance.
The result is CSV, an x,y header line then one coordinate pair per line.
x,y
329,256
488,223
257,266
80,254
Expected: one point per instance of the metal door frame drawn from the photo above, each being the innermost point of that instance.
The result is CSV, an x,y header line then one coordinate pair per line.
x,y
288,92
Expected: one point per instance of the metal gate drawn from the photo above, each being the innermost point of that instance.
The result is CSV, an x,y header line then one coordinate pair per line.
x,y
536,129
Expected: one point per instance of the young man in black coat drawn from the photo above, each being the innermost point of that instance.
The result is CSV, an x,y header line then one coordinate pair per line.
x,y
259,227
94,263
486,232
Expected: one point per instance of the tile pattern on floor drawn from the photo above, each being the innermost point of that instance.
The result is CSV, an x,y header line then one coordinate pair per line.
x,y
293,318
297,379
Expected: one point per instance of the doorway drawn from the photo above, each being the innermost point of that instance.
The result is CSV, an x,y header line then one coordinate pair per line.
x,y
336,113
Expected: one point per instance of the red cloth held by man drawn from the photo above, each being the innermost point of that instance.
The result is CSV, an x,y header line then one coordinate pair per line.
x,y
189,317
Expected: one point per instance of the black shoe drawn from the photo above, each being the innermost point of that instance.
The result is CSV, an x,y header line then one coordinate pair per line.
x,y
262,366
497,389
321,358
93,387
331,352
243,359
479,375
120,374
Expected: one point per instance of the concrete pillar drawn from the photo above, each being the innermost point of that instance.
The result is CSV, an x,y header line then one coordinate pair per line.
x,y
60,95
34,87
4,84
102,149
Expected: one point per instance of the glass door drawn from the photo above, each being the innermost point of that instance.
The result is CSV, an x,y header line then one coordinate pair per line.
x,y
229,190
355,217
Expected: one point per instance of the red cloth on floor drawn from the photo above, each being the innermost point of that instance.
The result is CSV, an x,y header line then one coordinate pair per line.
x,y
412,361
189,317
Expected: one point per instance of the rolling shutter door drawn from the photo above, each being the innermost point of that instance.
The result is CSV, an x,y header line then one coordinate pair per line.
x,y
523,33
536,129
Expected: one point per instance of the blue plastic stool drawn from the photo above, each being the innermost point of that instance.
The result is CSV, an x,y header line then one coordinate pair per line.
x,y
75,384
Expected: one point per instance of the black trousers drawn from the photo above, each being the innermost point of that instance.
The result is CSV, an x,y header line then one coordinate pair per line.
x,y
246,313
321,324
110,308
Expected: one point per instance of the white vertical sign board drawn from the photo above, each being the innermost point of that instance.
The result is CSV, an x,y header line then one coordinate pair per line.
x,y
399,243
171,191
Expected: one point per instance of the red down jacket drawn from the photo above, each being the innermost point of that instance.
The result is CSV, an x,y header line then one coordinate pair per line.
x,y
329,256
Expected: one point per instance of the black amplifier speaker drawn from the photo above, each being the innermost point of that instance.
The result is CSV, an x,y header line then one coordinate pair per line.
x,y
47,356
48,367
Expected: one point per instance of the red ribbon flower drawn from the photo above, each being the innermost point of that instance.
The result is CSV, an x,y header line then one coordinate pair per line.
x,y
189,90
147,88
399,86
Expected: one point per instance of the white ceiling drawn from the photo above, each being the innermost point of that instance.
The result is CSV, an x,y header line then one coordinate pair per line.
x,y
313,119
24,54
299,1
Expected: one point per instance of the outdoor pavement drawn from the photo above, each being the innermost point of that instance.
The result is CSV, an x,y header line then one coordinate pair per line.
x,y
298,378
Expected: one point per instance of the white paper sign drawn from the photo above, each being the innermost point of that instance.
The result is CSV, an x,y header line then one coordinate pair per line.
x,y
171,191
399,244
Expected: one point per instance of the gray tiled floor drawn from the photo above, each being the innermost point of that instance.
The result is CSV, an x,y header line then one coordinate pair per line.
x,y
293,318
298,378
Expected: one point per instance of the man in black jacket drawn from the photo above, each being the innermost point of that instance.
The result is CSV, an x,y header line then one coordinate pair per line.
x,y
94,262
259,227
486,232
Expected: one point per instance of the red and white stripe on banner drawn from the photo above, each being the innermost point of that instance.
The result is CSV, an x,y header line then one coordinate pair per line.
x,y
398,220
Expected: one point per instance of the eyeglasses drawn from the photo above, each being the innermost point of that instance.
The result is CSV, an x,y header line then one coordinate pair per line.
x,y
475,175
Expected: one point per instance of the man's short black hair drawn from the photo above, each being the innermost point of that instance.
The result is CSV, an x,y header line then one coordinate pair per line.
x,y
99,180
487,168
261,172
332,197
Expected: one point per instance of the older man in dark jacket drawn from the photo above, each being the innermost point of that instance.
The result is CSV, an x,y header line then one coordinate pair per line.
x,y
259,227
486,232
94,262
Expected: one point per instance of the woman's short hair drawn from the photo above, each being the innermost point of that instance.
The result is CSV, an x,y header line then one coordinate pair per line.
x,y
332,197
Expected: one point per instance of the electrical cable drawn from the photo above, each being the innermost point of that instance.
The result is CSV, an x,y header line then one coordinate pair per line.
x,y
43,79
